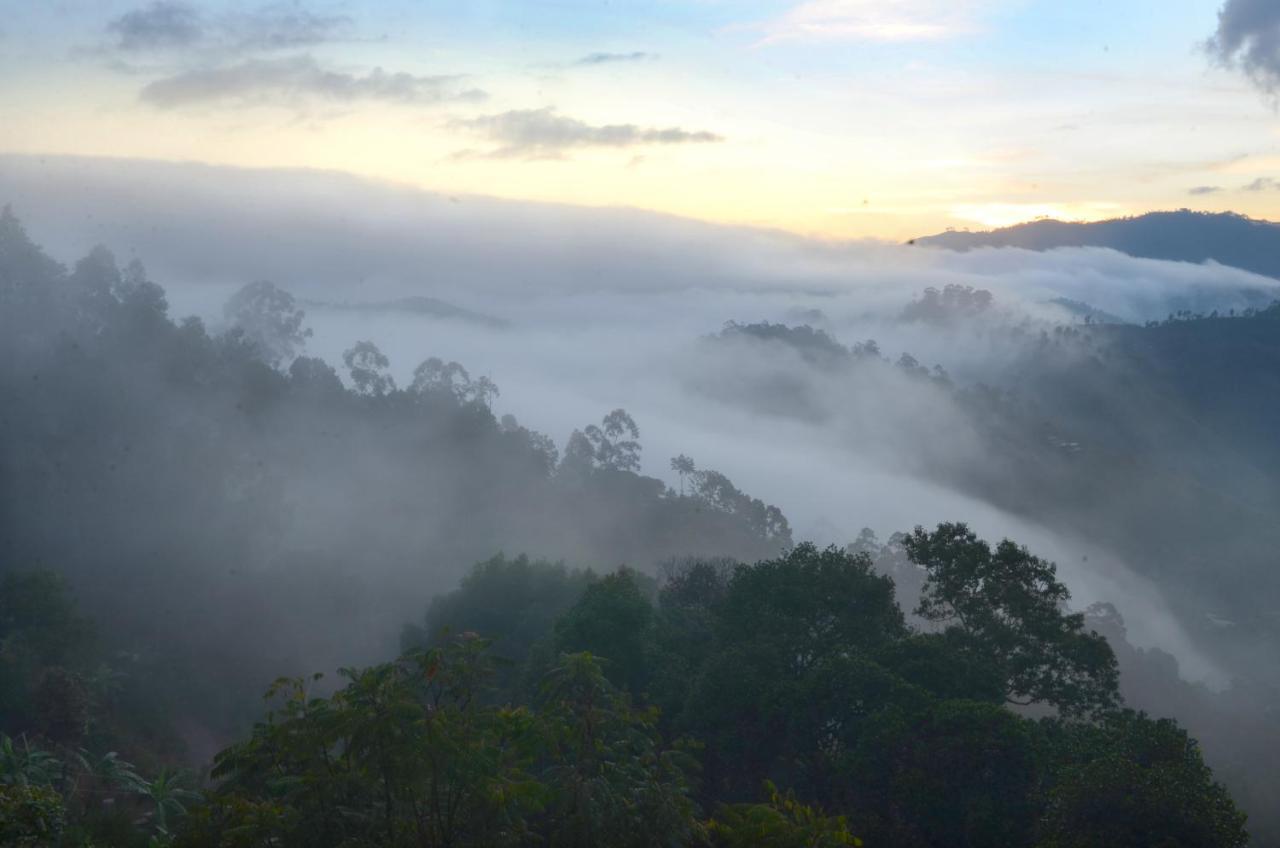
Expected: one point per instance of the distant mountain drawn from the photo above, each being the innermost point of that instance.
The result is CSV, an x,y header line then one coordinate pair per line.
x,y
417,305
1182,236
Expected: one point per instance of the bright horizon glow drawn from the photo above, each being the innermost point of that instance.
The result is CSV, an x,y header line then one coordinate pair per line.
x,y
835,118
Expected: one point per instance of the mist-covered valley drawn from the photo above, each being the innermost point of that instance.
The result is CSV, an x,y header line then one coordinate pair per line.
x,y
380,387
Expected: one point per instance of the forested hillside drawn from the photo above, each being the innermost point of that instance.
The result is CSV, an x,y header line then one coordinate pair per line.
x,y
271,516
187,515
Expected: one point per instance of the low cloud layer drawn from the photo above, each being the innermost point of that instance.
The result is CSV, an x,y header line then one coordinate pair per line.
x,y
537,133
605,308
1248,37
299,78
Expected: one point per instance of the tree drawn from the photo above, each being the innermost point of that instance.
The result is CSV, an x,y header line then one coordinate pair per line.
x,y
513,601
809,603
42,637
782,822
1008,605
315,377
407,753
269,319
450,378
613,782
604,446
683,466
954,773
1132,782
613,620
368,368
717,492
791,676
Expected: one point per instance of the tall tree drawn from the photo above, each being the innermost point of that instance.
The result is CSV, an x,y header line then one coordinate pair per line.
x,y
1010,607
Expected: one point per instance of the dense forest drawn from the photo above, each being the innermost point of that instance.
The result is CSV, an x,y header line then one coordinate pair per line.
x,y
186,514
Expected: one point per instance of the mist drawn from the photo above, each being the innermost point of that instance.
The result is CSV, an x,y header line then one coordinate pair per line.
x,y
604,308
850,385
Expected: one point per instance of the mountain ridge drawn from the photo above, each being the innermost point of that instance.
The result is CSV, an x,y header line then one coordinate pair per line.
x,y
1183,235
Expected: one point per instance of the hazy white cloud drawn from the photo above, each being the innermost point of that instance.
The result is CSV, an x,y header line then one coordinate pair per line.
x,y
1248,37
540,133
876,20
1203,190
297,78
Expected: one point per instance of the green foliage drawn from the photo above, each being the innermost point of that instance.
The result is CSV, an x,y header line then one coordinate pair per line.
x,y
614,621
409,753
1008,606
403,754
782,822
31,816
40,633
790,678
514,602
1131,781
38,617
613,783
954,773
88,797
23,764
799,670
808,604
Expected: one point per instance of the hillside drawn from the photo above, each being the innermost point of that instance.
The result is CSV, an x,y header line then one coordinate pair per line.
x,y
1181,236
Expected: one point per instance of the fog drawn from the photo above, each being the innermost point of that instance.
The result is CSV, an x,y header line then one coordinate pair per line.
x,y
605,308
277,523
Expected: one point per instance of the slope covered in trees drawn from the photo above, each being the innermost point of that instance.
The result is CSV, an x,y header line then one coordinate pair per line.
x,y
270,514
641,713
227,509
1155,441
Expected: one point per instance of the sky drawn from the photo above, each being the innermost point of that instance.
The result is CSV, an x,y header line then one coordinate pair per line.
x,y
836,118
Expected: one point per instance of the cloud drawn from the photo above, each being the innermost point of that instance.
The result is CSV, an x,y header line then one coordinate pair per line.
x,y
1248,37
162,25
1262,184
1201,190
612,58
171,24
543,132
285,26
874,20
300,77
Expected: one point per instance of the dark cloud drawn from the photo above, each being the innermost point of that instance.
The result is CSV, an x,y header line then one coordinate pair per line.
x,y
541,133
1263,184
1207,189
300,77
163,24
610,58
169,24
1248,37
